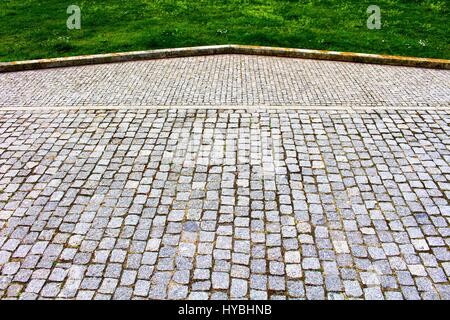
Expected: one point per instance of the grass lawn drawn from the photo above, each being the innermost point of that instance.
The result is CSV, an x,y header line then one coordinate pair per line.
x,y
32,29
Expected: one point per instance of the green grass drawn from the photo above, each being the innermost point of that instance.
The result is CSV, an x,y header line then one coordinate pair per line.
x,y
31,29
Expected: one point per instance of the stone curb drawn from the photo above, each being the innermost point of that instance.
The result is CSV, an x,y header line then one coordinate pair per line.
x,y
224,49
347,107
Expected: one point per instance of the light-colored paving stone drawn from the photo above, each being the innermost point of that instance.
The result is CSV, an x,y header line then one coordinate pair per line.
x,y
213,204
227,80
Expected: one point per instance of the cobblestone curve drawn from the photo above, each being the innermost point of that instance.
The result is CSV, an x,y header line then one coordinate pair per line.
x,y
215,204
227,80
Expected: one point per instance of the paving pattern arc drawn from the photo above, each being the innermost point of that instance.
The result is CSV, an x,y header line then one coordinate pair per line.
x,y
216,204
238,80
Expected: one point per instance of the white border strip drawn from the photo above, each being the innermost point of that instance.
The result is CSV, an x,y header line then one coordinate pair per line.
x,y
225,107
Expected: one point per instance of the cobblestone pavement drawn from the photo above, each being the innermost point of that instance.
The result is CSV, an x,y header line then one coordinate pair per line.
x,y
348,199
227,80
245,203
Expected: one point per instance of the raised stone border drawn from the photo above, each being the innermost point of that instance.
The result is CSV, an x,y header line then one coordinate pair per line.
x,y
220,107
224,49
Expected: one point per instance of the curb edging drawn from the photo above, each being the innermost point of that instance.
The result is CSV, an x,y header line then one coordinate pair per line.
x,y
220,107
224,49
